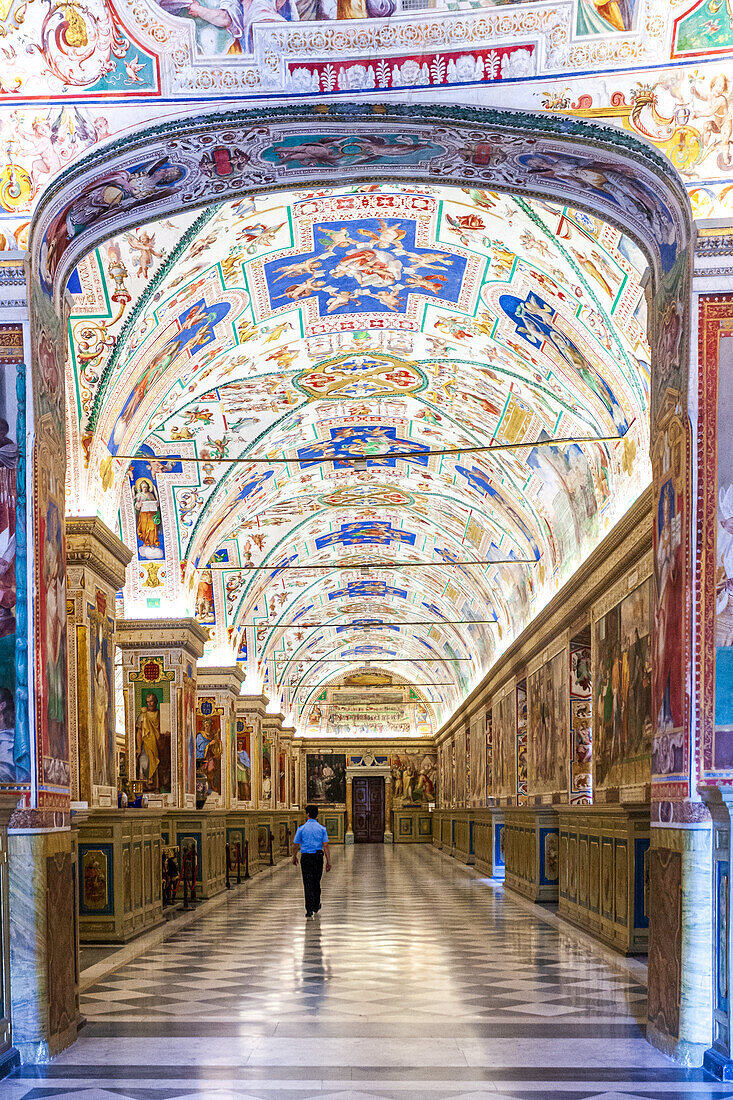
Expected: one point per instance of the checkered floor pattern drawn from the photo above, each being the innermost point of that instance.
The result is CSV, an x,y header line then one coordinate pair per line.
x,y
419,979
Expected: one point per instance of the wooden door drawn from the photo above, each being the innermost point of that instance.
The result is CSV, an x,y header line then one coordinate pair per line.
x,y
368,796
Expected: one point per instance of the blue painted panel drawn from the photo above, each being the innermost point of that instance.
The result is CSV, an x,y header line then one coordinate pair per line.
x,y
550,880
499,844
641,920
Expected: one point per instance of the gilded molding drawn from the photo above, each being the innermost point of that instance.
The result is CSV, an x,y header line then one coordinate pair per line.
x,y
161,634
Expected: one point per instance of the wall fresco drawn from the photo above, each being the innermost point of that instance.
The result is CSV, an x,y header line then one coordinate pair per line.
x,y
548,727
623,716
326,777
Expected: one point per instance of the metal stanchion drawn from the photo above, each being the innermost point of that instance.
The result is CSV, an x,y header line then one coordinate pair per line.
x,y
246,860
228,857
270,840
239,862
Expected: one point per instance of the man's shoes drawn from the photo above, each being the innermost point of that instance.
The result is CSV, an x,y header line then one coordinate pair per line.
x,y
308,914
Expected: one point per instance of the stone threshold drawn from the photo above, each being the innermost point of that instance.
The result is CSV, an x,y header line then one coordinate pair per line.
x,y
123,955
629,965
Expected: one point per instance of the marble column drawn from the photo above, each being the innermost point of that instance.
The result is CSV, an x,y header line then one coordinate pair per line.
x,y
159,678
9,1056
388,837
349,838
217,690
249,712
96,561
43,949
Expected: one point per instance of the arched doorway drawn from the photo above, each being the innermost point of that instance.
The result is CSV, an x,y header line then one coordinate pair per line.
x,y
228,157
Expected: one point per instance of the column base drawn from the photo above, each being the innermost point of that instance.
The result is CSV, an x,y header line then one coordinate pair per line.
x,y
349,839
388,838
681,1051
717,1065
38,1052
9,1061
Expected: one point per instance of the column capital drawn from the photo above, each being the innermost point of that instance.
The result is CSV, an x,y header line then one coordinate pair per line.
x,y
89,542
160,634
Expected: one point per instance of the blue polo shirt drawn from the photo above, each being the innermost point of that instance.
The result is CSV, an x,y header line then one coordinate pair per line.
x,y
311,837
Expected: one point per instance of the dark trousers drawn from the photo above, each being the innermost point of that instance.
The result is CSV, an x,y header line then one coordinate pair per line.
x,y
311,868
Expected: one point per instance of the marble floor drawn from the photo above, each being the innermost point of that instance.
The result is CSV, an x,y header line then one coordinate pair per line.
x,y
419,979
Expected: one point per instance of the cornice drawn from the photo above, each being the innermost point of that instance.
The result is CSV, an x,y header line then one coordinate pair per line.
x,y
625,545
247,704
220,678
89,542
158,634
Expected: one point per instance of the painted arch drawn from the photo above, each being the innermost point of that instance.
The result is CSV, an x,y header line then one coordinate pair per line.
x,y
191,173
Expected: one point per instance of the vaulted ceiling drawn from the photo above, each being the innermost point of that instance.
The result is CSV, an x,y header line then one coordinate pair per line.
x,y
305,413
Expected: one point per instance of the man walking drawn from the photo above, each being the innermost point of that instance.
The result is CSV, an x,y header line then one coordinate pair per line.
x,y
312,839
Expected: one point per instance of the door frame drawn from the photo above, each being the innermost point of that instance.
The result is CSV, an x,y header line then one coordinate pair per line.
x,y
369,771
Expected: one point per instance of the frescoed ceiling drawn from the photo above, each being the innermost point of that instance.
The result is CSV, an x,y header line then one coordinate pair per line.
x,y
308,414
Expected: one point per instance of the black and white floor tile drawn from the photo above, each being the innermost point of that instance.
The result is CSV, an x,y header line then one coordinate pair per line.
x,y
419,979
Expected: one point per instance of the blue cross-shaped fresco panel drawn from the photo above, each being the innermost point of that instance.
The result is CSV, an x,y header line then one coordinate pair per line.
x,y
359,589
353,534
365,266
380,445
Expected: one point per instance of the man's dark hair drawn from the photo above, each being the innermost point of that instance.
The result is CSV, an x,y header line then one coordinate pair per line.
x,y
312,811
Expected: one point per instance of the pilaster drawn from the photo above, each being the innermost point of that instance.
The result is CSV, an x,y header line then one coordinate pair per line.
x,y
96,561
249,713
269,778
159,678
217,691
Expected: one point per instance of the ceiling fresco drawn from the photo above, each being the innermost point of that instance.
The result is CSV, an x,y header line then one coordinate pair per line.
x,y
310,412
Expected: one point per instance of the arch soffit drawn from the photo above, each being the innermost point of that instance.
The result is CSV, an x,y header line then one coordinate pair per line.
x,y
216,157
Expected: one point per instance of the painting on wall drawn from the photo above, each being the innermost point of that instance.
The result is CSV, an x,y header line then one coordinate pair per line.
x,y
414,778
326,777
209,748
581,727
477,762
521,742
489,735
244,761
504,735
102,709
603,17
548,726
51,602
95,878
622,722
188,730
266,769
152,686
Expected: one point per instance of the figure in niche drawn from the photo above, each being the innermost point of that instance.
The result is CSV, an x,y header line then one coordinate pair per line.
x,y
244,771
101,713
147,743
208,754
148,521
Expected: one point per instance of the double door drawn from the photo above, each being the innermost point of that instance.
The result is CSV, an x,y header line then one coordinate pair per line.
x,y
368,807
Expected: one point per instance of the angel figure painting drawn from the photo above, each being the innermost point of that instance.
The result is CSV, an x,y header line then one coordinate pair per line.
x,y
147,520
